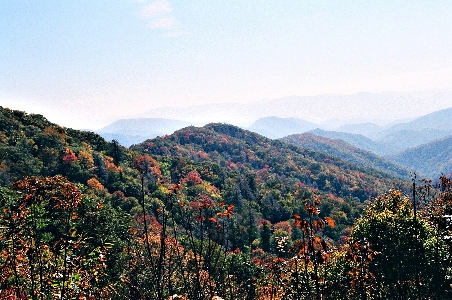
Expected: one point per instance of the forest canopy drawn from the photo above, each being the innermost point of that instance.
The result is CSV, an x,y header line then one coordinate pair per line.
x,y
215,212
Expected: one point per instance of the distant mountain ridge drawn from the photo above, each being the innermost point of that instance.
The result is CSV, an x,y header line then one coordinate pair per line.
x,y
439,120
357,140
394,142
346,151
432,160
134,131
422,130
367,129
363,106
404,139
274,127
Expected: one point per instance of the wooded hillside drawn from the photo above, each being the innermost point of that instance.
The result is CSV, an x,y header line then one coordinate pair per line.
x,y
215,211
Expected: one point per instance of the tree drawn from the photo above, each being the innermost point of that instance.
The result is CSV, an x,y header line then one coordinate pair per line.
x,y
266,233
45,254
439,214
399,255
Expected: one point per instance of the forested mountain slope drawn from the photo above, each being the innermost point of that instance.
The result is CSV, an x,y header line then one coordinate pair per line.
x,y
439,120
264,179
432,160
356,140
215,211
246,167
258,175
348,152
243,151
31,145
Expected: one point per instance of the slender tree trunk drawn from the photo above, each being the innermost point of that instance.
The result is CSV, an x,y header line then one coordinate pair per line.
x,y
13,240
416,251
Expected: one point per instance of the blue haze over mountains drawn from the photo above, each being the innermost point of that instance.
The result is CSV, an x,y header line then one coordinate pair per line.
x,y
419,144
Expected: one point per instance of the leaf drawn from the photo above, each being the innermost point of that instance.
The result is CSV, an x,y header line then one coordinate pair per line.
x,y
318,224
330,222
229,212
317,239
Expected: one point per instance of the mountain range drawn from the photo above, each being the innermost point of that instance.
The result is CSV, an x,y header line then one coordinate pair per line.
x,y
361,107
396,143
263,178
228,195
134,131
433,159
245,152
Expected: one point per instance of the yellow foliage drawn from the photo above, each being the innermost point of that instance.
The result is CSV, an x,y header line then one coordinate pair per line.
x,y
86,159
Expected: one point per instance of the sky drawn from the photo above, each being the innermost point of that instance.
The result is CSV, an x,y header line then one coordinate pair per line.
x,y
83,64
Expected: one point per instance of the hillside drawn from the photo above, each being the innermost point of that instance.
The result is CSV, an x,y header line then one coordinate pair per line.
x,y
348,152
245,167
404,139
266,178
31,145
247,152
356,140
431,160
205,211
422,130
269,179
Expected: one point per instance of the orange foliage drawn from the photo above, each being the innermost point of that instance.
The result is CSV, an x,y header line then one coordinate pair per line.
x,y
110,165
95,184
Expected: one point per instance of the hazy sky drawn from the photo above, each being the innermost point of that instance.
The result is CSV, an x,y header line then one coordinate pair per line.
x,y
82,63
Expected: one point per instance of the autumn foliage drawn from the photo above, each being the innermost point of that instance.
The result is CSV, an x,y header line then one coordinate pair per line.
x,y
210,213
